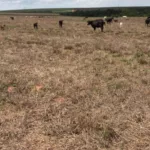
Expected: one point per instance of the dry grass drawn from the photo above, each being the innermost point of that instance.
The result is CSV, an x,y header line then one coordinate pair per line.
x,y
73,88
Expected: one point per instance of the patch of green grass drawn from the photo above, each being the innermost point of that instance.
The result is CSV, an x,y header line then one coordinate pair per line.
x,y
109,134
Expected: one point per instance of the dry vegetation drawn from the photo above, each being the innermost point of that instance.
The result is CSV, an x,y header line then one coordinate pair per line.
x,y
73,88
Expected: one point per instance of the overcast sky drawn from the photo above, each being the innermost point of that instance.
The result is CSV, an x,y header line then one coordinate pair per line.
x,y
21,4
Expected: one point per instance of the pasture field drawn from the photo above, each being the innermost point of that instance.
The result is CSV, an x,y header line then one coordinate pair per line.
x,y
73,88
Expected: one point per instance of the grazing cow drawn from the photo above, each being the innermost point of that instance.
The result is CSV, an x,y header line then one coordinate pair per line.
x,y
121,24
60,23
147,21
97,24
115,20
35,25
125,17
109,20
12,18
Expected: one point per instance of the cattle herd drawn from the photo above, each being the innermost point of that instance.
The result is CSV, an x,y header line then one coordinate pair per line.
x,y
99,23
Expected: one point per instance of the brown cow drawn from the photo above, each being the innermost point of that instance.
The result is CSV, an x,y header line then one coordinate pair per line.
x,y
115,20
12,18
60,23
35,25
109,20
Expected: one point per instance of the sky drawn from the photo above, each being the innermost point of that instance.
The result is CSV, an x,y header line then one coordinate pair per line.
x,y
27,4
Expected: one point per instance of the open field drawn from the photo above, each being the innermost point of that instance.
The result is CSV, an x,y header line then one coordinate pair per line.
x,y
73,88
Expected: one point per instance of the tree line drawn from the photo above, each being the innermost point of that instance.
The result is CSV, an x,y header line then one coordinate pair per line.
x,y
90,12
115,12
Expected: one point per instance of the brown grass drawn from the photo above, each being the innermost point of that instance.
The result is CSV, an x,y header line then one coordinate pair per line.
x,y
73,88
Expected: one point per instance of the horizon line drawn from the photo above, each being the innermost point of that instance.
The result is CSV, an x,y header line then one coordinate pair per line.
x,y
73,8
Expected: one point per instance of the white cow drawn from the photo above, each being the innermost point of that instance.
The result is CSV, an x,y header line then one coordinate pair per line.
x,y
125,17
121,24
105,17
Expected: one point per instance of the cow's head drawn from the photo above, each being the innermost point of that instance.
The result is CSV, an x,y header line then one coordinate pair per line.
x,y
89,22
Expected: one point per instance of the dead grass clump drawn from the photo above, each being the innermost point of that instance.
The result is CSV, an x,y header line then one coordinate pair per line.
x,y
141,58
142,61
109,134
68,47
145,81
57,51
80,45
70,124
36,42
139,54
120,88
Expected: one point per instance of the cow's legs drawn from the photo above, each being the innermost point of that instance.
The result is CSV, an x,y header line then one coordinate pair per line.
x,y
102,28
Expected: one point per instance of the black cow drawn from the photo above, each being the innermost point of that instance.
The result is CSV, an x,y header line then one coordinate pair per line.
x,y
35,25
97,24
109,20
60,23
147,21
12,18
